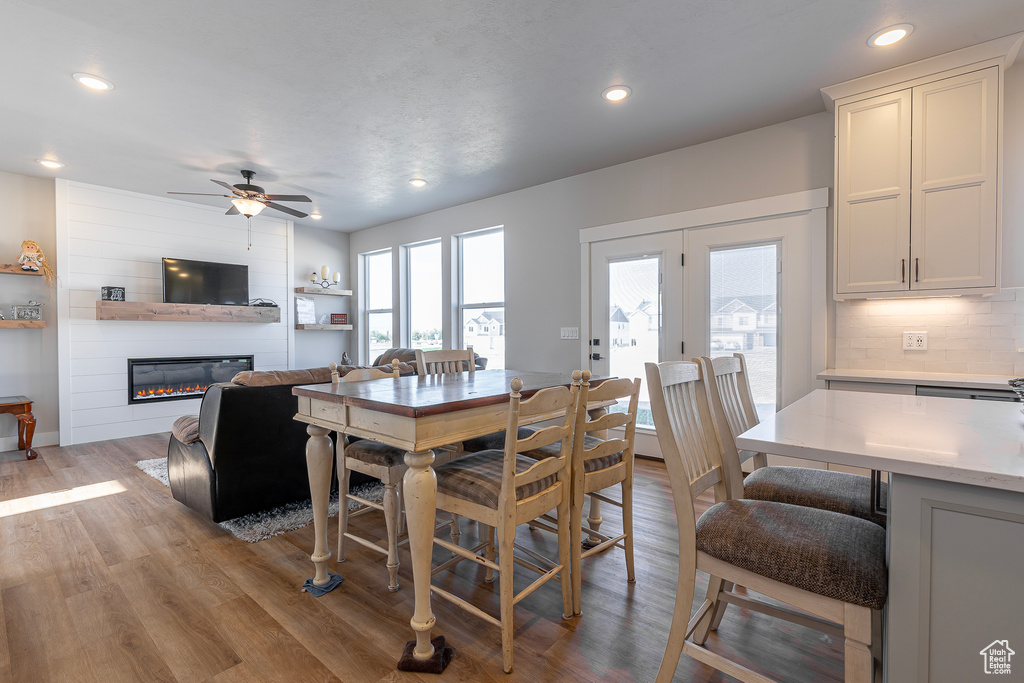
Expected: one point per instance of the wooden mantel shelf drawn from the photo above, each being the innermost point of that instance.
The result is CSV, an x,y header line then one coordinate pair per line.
x,y
323,290
206,313
15,269
21,324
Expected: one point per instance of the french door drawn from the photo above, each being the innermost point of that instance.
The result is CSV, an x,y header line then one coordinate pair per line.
x,y
636,308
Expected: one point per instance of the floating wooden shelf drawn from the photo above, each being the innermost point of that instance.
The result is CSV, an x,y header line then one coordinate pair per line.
x,y
15,269
21,324
323,290
339,328
206,313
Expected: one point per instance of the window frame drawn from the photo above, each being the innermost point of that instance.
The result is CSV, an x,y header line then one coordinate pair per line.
x,y
365,288
460,301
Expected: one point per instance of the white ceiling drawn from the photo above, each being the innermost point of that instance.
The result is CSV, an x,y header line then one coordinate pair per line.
x,y
346,101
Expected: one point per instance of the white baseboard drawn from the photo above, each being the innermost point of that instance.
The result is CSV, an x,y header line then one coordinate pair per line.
x,y
10,443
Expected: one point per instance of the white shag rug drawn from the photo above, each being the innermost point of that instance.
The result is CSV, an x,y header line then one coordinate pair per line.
x,y
261,525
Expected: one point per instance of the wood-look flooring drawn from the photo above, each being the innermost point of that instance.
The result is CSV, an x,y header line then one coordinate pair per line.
x,y
133,586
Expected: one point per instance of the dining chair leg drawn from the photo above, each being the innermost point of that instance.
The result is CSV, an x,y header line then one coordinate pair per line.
x,y
455,530
401,506
857,663
680,620
576,552
489,554
391,522
703,627
627,528
344,474
506,538
594,520
565,552
716,619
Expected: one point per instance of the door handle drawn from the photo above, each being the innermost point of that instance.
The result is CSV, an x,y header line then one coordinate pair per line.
x,y
903,270
595,356
917,270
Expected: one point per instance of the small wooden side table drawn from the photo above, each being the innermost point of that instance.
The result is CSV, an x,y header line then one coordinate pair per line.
x,y
21,408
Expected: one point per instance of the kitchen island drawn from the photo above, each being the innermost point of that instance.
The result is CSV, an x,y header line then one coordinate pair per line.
x,y
956,520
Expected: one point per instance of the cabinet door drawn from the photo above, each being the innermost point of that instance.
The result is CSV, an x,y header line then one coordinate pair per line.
x,y
954,200
873,194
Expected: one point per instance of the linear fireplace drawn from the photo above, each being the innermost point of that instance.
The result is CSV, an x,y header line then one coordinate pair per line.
x,y
152,380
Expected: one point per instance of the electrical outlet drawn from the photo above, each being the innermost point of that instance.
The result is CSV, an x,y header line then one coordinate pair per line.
x,y
570,333
915,341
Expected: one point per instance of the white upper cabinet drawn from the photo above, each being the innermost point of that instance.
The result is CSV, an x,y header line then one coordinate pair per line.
x,y
954,213
917,186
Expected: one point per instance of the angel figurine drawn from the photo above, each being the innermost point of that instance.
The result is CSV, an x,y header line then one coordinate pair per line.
x,y
32,258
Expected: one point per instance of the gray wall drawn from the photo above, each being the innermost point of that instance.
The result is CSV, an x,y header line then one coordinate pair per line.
x,y
28,358
315,247
542,223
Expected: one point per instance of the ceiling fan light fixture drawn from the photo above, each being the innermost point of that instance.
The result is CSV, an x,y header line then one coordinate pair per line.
x,y
890,35
616,93
94,82
248,207
418,182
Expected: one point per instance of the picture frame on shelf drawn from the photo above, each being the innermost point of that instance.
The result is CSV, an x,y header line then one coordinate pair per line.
x,y
305,311
339,318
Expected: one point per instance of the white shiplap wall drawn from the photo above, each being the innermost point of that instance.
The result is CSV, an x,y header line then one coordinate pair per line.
x,y
114,237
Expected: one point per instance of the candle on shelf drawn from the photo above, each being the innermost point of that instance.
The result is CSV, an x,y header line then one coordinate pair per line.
x,y
324,270
312,277
336,277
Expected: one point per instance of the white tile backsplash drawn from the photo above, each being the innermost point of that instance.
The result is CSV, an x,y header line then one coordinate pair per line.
x,y
968,334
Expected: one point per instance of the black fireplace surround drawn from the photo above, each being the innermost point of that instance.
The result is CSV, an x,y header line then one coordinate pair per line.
x,y
152,380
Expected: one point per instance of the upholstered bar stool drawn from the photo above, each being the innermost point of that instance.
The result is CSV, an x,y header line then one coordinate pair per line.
x,y
849,494
829,565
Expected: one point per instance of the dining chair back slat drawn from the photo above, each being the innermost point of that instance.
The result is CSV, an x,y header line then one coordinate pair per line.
x,y
445,361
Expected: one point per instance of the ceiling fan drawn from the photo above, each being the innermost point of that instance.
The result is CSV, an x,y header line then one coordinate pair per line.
x,y
248,199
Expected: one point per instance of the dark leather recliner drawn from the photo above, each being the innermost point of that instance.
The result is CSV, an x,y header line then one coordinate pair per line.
x,y
250,456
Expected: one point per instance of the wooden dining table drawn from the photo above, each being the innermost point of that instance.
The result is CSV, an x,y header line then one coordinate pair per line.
x,y
416,414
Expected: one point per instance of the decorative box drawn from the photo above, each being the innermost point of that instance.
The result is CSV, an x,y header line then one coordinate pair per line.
x,y
112,293
339,318
29,311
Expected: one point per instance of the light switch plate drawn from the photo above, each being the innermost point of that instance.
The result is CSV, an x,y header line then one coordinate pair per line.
x,y
915,341
570,333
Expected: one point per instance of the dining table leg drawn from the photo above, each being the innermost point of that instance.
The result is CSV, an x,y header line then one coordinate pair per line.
x,y
594,511
319,459
420,488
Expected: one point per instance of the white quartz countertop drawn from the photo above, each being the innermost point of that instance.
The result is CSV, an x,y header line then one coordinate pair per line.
x,y
947,439
934,379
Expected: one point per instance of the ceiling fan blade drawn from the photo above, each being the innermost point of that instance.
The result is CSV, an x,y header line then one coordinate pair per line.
x,y
288,198
203,194
225,185
232,211
285,209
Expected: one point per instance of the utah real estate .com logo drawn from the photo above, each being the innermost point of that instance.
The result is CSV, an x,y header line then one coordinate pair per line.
x,y
997,657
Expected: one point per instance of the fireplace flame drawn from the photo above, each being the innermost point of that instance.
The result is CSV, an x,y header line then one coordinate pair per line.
x,y
181,390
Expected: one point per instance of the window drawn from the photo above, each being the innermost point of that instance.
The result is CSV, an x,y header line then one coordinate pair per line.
x,y
377,287
424,295
482,294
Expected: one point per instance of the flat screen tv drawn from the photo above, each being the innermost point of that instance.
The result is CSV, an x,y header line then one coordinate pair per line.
x,y
202,282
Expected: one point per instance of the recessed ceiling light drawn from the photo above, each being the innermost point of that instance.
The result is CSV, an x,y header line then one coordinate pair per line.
x,y
418,182
890,35
616,93
315,216
50,163
94,82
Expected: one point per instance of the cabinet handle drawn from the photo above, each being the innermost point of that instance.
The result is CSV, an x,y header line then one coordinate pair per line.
x,y
917,270
903,270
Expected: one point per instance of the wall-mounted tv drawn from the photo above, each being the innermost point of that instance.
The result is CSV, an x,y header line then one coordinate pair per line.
x,y
202,282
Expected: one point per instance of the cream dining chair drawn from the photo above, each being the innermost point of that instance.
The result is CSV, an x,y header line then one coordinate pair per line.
x,y
503,489
850,494
382,462
445,361
828,565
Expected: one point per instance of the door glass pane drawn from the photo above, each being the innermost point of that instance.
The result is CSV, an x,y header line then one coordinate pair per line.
x,y
379,331
744,313
634,322
484,330
425,296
